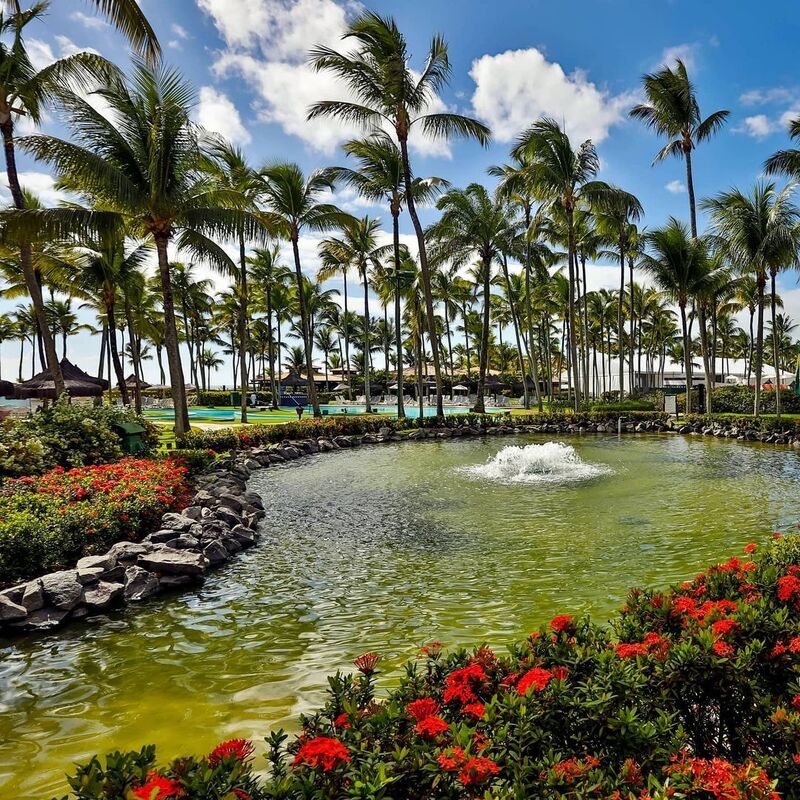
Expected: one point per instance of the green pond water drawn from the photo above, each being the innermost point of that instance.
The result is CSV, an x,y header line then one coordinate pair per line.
x,y
383,549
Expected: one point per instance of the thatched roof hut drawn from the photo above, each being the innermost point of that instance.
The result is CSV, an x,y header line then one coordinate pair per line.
x,y
77,383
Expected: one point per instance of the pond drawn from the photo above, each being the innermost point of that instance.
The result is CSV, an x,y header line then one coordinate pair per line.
x,y
383,549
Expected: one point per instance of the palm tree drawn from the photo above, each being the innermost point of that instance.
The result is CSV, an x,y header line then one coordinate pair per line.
x,y
473,223
358,249
679,265
293,203
25,91
759,233
8,331
267,272
149,122
130,20
325,342
389,94
672,111
616,212
561,177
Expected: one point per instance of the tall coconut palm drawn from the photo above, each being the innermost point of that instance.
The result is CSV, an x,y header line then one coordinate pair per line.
x,y
616,212
294,205
679,265
672,111
358,248
562,177
473,223
148,123
128,17
389,94
760,234
25,92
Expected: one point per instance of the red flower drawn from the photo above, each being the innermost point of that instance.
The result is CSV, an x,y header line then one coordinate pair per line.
x,y
631,649
750,548
158,788
724,627
536,678
477,771
722,649
367,663
432,649
561,623
794,645
788,587
461,684
422,708
431,727
238,749
560,673
571,768
323,752
474,710
452,759
796,701
342,721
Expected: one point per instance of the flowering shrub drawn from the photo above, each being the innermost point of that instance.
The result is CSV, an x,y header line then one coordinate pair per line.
x,y
49,521
692,692
66,435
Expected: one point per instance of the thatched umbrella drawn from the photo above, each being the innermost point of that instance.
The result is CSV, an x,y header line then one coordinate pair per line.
x,y
76,382
130,382
293,381
6,389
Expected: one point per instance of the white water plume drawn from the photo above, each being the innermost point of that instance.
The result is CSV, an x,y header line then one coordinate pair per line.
x,y
552,462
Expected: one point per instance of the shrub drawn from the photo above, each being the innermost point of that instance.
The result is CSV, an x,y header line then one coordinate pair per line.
x,y
739,400
216,397
624,406
692,692
66,435
48,522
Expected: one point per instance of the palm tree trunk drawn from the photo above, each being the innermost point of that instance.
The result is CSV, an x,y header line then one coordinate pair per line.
x,y
703,322
426,273
304,322
398,334
585,322
26,262
775,345
346,321
243,328
484,354
761,280
137,394
632,326
171,339
366,343
620,324
750,346
103,341
271,347
419,372
573,347
687,359
21,358
112,346
690,190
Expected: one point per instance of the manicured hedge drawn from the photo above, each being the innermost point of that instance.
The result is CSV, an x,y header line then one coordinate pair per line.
x,y
624,406
746,422
692,692
739,400
222,399
50,521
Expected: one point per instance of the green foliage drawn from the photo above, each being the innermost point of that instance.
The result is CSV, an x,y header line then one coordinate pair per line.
x,y
623,407
740,399
217,398
67,435
692,692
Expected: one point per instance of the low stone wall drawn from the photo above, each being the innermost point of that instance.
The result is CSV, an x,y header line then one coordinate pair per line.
x,y
222,520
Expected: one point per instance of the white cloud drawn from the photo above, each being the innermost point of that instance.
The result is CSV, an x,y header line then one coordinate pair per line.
x,y
41,53
39,183
676,187
180,31
517,86
174,44
217,113
88,21
757,126
686,52
761,97
267,45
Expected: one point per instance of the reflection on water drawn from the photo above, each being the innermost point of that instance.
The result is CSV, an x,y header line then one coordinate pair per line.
x,y
380,549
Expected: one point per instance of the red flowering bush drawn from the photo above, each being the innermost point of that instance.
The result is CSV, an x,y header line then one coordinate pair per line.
x,y
49,521
692,692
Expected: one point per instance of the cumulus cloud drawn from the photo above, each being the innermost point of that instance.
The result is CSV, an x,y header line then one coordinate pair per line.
x,y
88,21
42,54
517,86
39,183
217,113
676,187
686,52
762,97
759,126
267,44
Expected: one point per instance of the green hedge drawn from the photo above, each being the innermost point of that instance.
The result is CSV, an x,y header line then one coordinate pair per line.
x,y
762,424
624,406
740,399
218,398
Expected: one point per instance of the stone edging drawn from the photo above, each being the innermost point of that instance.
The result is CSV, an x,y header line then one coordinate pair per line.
x,y
222,520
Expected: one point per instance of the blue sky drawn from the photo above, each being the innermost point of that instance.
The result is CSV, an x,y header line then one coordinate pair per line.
x,y
513,60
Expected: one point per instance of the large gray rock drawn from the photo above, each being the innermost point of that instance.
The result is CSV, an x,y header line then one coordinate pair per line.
x,y
62,589
103,595
174,562
44,619
32,596
10,612
139,584
104,562
184,542
89,575
227,516
176,522
215,553
128,551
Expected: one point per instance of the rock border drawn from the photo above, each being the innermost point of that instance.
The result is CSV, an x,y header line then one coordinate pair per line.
x,y
223,516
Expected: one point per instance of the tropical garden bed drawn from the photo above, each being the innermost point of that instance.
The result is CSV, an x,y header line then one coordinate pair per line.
x,y
690,692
